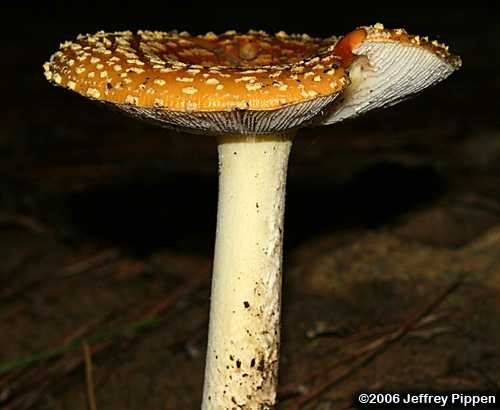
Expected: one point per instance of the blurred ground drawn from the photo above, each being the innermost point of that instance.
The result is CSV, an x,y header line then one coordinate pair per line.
x,y
107,228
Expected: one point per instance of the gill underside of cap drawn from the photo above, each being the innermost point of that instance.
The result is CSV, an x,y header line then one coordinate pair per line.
x,y
237,121
387,67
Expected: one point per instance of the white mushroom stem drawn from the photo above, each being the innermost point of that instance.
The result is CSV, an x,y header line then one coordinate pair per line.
x,y
244,332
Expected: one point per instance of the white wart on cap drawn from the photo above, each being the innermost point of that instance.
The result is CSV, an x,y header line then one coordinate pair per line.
x,y
385,67
229,83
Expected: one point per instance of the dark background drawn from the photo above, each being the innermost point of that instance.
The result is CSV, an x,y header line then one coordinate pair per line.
x,y
131,168
103,218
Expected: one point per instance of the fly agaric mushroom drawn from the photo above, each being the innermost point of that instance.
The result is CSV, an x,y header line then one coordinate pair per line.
x,y
252,91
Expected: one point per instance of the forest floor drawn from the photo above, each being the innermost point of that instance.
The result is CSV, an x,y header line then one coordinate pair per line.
x,y
391,279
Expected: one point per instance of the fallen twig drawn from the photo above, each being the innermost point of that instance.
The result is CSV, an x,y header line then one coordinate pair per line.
x,y
82,265
368,352
90,262
89,378
25,222
16,379
296,388
100,342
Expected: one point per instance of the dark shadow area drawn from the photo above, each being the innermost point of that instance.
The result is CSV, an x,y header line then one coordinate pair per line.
x,y
179,213
374,197
144,216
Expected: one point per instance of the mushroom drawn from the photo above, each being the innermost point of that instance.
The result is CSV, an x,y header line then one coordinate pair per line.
x,y
252,91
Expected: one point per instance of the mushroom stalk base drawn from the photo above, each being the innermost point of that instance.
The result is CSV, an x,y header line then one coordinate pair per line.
x,y
244,332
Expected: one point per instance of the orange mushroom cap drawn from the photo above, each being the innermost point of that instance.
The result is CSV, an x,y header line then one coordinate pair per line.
x,y
248,83
154,72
